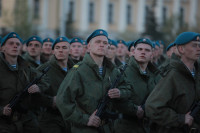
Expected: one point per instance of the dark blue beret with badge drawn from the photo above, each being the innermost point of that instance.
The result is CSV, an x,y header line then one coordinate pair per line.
x,y
98,32
169,46
60,39
144,40
157,43
76,39
10,35
34,38
122,42
48,40
112,42
187,37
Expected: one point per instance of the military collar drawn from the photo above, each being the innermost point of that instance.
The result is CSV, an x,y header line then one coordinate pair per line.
x,y
29,58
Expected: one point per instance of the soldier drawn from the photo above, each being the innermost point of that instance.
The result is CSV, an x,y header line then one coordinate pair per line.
x,y
34,48
161,57
169,104
143,76
156,53
85,49
51,120
46,50
122,51
111,52
76,49
86,83
15,75
131,49
170,49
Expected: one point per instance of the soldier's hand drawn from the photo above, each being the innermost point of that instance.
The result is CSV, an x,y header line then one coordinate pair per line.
x,y
33,89
114,93
140,112
7,110
188,119
94,120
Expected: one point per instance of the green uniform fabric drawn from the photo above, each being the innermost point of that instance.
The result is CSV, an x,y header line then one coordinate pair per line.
x,y
13,81
76,61
81,91
30,60
172,98
142,85
51,120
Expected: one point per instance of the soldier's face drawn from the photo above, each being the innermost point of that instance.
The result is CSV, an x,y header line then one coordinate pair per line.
x,y
121,50
12,47
61,50
190,51
47,48
111,52
34,48
131,53
76,49
98,45
143,53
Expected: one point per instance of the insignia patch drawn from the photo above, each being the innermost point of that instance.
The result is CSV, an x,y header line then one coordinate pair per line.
x,y
76,66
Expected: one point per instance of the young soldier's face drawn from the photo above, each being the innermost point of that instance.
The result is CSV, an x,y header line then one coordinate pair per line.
x,y
12,47
131,53
111,52
143,53
61,50
121,50
190,51
47,48
98,45
34,48
76,49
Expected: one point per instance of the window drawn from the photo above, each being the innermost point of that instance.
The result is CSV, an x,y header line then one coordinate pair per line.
x,y
110,13
91,12
71,11
0,8
181,16
36,8
164,16
129,14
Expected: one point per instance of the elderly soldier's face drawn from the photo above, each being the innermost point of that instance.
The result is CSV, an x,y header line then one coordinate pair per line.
x,y
190,51
98,46
143,53
111,52
61,50
34,48
12,47
121,49
47,48
76,49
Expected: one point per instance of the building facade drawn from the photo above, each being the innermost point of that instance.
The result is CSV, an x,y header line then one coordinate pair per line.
x,y
51,17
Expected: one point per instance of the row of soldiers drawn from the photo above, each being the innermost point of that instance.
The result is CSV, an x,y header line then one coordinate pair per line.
x,y
155,94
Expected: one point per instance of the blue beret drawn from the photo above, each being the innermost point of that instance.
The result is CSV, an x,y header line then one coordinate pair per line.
x,y
130,45
34,38
10,35
169,46
98,32
60,39
112,42
48,40
187,37
76,39
157,43
123,42
144,40
84,42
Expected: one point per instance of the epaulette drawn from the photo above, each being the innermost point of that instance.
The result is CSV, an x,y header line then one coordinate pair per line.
x,y
75,66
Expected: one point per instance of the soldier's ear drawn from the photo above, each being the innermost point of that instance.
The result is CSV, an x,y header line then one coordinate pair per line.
x,y
181,49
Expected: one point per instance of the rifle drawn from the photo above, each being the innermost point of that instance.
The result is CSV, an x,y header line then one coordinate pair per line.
x,y
102,111
194,112
17,98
